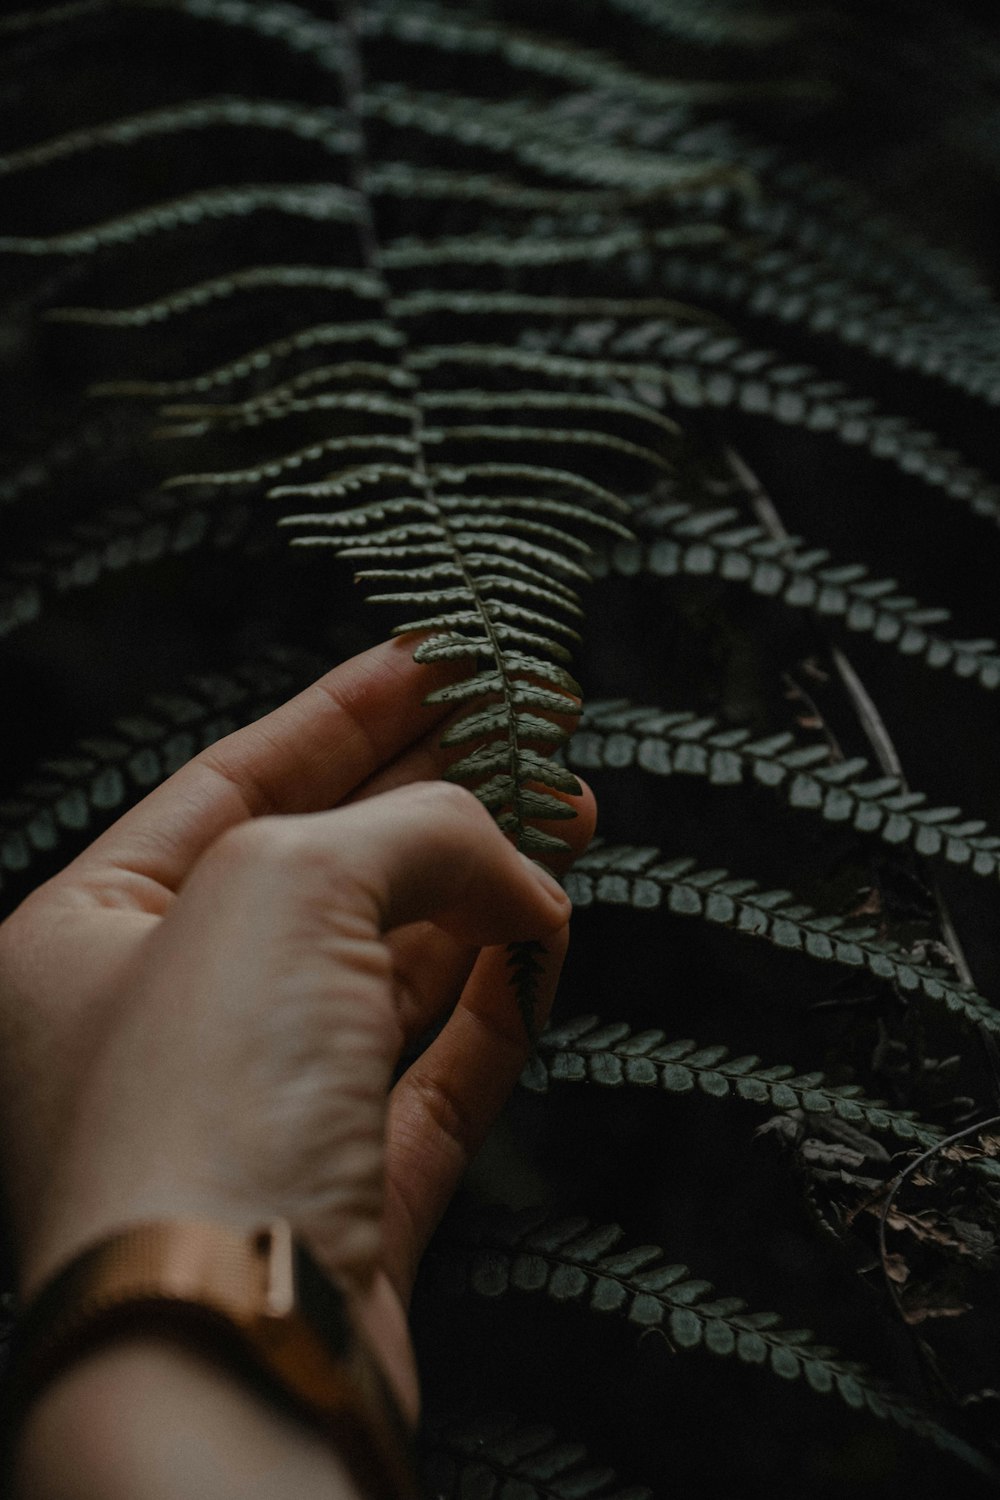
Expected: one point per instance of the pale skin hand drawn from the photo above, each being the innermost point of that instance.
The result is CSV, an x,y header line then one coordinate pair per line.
x,y
202,1014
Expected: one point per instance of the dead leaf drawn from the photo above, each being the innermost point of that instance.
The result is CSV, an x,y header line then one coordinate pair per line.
x,y
921,1314
871,904
921,1302
926,1227
896,1269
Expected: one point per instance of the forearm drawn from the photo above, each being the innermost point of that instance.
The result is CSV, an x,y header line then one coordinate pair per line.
x,y
149,1420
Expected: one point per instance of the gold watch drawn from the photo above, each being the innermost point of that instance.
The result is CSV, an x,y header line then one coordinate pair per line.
x,y
256,1299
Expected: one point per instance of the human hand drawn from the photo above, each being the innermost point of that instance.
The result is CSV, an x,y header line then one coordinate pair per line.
x,y
201,1015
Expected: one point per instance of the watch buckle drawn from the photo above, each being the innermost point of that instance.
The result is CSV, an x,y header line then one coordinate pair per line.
x,y
274,1243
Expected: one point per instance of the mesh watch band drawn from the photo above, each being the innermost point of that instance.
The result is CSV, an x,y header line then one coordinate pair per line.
x,y
256,1299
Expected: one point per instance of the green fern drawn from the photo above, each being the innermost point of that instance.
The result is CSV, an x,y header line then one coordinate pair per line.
x,y
626,875
323,127
496,571
677,540
710,368
454,34
780,286
617,736
280,23
123,537
720,22
74,794
494,1457
570,1260
613,1055
451,315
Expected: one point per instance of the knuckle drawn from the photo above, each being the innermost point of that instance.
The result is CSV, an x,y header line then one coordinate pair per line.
x,y
455,801
269,841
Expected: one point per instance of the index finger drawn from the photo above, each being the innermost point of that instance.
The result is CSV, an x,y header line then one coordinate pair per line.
x,y
306,756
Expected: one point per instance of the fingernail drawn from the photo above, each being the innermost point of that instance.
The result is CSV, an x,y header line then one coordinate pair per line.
x,y
549,883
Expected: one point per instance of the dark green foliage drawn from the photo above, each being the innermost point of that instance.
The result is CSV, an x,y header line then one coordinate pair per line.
x,y
622,874
496,1458
612,1055
492,304
677,540
709,368
77,793
617,736
163,525
571,1260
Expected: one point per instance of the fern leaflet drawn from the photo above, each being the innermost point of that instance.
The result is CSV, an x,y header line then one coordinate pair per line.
x,y
624,875
498,1458
571,1260
612,1055
616,736
677,540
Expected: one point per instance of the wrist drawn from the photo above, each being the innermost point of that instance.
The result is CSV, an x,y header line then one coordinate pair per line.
x,y
255,1302
149,1417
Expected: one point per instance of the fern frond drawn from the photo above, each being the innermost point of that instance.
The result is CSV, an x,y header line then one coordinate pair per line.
x,y
516,251
100,776
535,475
301,33
286,395
406,182
476,606
324,127
553,438
490,305
534,138
617,736
122,537
362,445
255,361
344,280
495,1457
256,413
613,1055
779,285
572,1260
719,24
711,369
680,540
319,202
457,35
626,875
863,243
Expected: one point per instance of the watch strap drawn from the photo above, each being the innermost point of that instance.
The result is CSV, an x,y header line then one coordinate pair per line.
x,y
257,1299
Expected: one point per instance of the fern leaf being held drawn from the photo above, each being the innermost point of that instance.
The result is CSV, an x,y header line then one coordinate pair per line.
x,y
466,546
